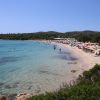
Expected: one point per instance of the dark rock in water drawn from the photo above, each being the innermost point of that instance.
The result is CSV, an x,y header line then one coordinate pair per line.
x,y
72,62
47,72
16,83
29,87
42,71
11,86
8,86
73,71
1,84
5,60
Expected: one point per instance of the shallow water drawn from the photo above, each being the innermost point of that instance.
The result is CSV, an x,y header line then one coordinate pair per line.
x,y
32,66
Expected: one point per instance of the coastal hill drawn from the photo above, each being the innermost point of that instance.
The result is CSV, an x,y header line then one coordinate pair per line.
x,y
85,36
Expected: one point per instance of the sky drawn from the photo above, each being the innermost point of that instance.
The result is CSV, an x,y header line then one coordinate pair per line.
x,y
49,15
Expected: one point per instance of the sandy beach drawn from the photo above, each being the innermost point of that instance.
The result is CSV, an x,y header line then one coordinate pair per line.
x,y
88,60
85,62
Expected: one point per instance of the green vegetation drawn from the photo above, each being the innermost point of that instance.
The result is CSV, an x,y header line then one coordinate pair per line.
x,y
87,87
81,36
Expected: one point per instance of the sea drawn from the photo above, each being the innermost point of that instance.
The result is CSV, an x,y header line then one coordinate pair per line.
x,y
28,66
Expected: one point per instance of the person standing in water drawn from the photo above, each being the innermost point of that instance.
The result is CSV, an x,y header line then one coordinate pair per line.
x,y
60,50
54,47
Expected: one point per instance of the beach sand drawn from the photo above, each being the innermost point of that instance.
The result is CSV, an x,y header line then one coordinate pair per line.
x,y
85,62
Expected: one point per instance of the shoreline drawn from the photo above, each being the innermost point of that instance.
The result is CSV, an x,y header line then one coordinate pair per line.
x,y
88,59
85,62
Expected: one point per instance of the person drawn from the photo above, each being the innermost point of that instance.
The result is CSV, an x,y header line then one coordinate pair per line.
x,y
96,53
54,47
60,49
99,53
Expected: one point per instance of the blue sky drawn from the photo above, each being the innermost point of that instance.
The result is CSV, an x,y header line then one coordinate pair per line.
x,y
49,15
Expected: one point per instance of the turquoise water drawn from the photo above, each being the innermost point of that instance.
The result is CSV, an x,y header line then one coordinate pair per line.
x,y
31,66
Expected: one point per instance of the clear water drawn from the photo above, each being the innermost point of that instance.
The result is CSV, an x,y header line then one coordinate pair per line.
x,y
31,66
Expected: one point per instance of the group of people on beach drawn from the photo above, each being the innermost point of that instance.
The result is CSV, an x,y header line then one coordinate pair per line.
x,y
89,47
55,47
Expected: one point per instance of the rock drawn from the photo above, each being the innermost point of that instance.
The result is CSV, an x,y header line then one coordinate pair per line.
x,y
1,84
72,62
73,71
9,86
23,96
